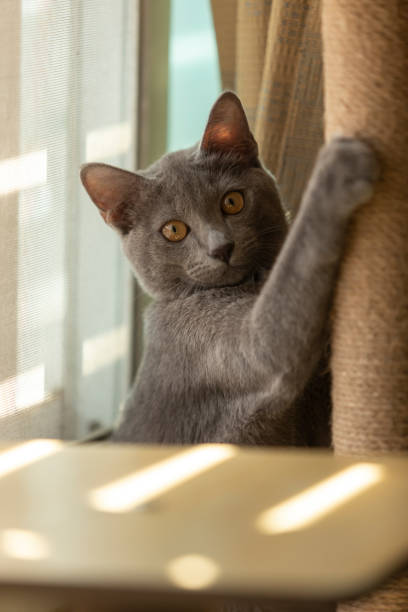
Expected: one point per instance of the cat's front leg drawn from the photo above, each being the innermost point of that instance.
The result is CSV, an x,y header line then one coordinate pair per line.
x,y
287,326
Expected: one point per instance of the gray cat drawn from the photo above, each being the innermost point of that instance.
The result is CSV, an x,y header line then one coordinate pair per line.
x,y
236,336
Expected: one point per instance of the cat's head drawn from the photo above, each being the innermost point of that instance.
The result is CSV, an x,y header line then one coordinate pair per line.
x,y
209,216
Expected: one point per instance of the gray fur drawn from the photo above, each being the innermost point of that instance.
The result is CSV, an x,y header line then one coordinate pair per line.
x,y
234,352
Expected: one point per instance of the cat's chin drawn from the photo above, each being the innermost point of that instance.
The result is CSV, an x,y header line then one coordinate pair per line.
x,y
252,278
227,280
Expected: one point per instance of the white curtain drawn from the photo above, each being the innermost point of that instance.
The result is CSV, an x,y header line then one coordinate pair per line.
x,y
67,95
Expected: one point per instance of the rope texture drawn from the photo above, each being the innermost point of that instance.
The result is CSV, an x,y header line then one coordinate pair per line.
x,y
365,46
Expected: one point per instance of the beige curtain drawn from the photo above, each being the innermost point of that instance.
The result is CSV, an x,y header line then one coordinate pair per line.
x,y
270,54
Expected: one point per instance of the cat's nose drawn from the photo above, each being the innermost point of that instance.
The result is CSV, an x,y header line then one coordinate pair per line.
x,y
219,246
222,252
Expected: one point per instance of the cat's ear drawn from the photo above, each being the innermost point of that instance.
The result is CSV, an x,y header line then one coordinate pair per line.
x,y
228,131
111,189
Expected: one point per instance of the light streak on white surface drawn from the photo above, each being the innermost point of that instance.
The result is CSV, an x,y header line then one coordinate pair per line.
x,y
22,544
313,503
104,349
108,141
30,387
22,391
26,453
192,571
23,171
126,493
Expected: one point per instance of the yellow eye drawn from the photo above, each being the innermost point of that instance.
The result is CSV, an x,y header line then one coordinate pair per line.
x,y
174,231
232,203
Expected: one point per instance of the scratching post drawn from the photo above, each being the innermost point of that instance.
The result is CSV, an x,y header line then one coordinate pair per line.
x,y
365,52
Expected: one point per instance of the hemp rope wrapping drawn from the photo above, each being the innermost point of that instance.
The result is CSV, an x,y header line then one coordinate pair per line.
x,y
365,45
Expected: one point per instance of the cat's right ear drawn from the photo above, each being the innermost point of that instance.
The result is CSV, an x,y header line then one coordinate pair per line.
x,y
227,131
112,190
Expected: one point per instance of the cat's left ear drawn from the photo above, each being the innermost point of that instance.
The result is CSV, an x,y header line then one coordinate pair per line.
x,y
112,190
227,130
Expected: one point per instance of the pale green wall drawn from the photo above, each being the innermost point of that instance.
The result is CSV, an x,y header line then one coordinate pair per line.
x,y
194,79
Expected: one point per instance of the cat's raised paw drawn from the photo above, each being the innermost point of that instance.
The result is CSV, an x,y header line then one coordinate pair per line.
x,y
347,169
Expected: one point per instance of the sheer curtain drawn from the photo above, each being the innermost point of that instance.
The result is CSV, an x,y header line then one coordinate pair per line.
x,y
270,54
67,95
